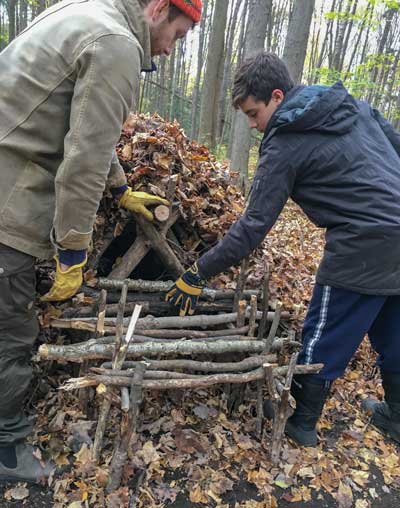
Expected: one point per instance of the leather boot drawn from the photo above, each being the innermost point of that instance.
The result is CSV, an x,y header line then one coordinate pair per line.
x,y
310,395
386,415
26,467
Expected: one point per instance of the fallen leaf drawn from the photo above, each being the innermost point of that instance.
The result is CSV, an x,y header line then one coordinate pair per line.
x,y
344,496
18,493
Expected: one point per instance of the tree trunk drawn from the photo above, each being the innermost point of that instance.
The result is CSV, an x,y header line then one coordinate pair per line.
x,y
296,43
200,63
11,8
255,39
213,75
227,79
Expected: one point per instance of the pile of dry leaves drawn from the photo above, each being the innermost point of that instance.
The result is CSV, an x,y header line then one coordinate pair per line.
x,y
189,452
152,150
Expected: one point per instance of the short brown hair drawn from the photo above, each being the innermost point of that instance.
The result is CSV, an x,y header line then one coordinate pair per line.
x,y
174,12
258,76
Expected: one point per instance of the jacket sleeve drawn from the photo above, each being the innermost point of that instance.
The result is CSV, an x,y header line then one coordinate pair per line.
x,y
391,133
107,76
271,189
116,176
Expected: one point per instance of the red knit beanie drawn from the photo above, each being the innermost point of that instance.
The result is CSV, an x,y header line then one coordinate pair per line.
x,y
191,8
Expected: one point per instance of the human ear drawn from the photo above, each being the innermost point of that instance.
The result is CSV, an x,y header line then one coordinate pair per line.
x,y
277,95
160,11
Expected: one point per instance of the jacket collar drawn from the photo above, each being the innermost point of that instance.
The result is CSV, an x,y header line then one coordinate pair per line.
x,y
133,14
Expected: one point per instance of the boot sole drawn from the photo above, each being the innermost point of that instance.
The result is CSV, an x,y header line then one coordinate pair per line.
x,y
10,478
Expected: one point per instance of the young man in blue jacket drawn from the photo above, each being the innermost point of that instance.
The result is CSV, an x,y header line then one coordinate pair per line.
x,y
338,159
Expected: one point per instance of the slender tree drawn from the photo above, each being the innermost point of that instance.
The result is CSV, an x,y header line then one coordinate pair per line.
x,y
298,33
255,39
213,75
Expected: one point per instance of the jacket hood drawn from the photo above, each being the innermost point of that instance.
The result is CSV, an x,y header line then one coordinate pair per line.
x,y
133,13
329,109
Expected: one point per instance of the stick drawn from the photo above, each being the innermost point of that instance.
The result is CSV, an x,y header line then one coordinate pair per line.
x,y
106,403
138,250
118,356
282,413
128,428
283,344
253,316
170,195
135,496
99,332
122,351
72,353
247,364
124,399
172,384
142,339
161,213
198,321
154,374
240,283
149,306
193,334
241,313
262,327
132,257
149,286
260,407
119,325
274,327
160,246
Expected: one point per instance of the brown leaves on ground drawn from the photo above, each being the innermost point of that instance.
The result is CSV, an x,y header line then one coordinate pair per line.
x,y
152,151
190,447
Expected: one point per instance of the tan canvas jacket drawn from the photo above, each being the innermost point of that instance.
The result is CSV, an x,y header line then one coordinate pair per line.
x,y
68,83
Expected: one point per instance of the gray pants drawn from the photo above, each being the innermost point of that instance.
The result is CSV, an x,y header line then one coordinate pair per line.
x,y
18,331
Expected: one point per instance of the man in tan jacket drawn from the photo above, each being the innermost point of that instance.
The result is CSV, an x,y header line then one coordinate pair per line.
x,y
68,83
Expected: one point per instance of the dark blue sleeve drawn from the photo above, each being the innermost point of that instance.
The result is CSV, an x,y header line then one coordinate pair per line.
x,y
272,186
390,132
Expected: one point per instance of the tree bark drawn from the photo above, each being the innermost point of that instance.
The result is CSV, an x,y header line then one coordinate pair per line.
x,y
255,39
213,75
173,384
298,33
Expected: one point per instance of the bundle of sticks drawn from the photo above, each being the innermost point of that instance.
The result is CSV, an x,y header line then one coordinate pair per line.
x,y
126,355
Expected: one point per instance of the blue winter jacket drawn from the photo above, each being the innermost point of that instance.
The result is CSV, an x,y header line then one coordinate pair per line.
x,y
340,161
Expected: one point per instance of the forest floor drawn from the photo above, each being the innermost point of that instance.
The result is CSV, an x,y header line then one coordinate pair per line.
x,y
195,455
191,452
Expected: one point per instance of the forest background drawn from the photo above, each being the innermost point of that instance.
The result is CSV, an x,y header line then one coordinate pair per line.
x,y
357,41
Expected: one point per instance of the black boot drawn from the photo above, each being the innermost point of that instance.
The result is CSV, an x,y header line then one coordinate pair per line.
x,y
19,463
386,415
310,395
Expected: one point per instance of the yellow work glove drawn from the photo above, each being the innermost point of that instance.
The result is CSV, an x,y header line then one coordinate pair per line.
x,y
186,291
138,201
66,284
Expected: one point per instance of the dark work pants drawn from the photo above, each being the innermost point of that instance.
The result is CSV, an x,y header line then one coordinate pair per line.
x,y
18,331
338,320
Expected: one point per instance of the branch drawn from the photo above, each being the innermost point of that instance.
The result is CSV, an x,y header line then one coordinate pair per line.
x,y
171,384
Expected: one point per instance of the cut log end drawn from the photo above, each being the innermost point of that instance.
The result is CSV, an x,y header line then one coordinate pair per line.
x,y
162,213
